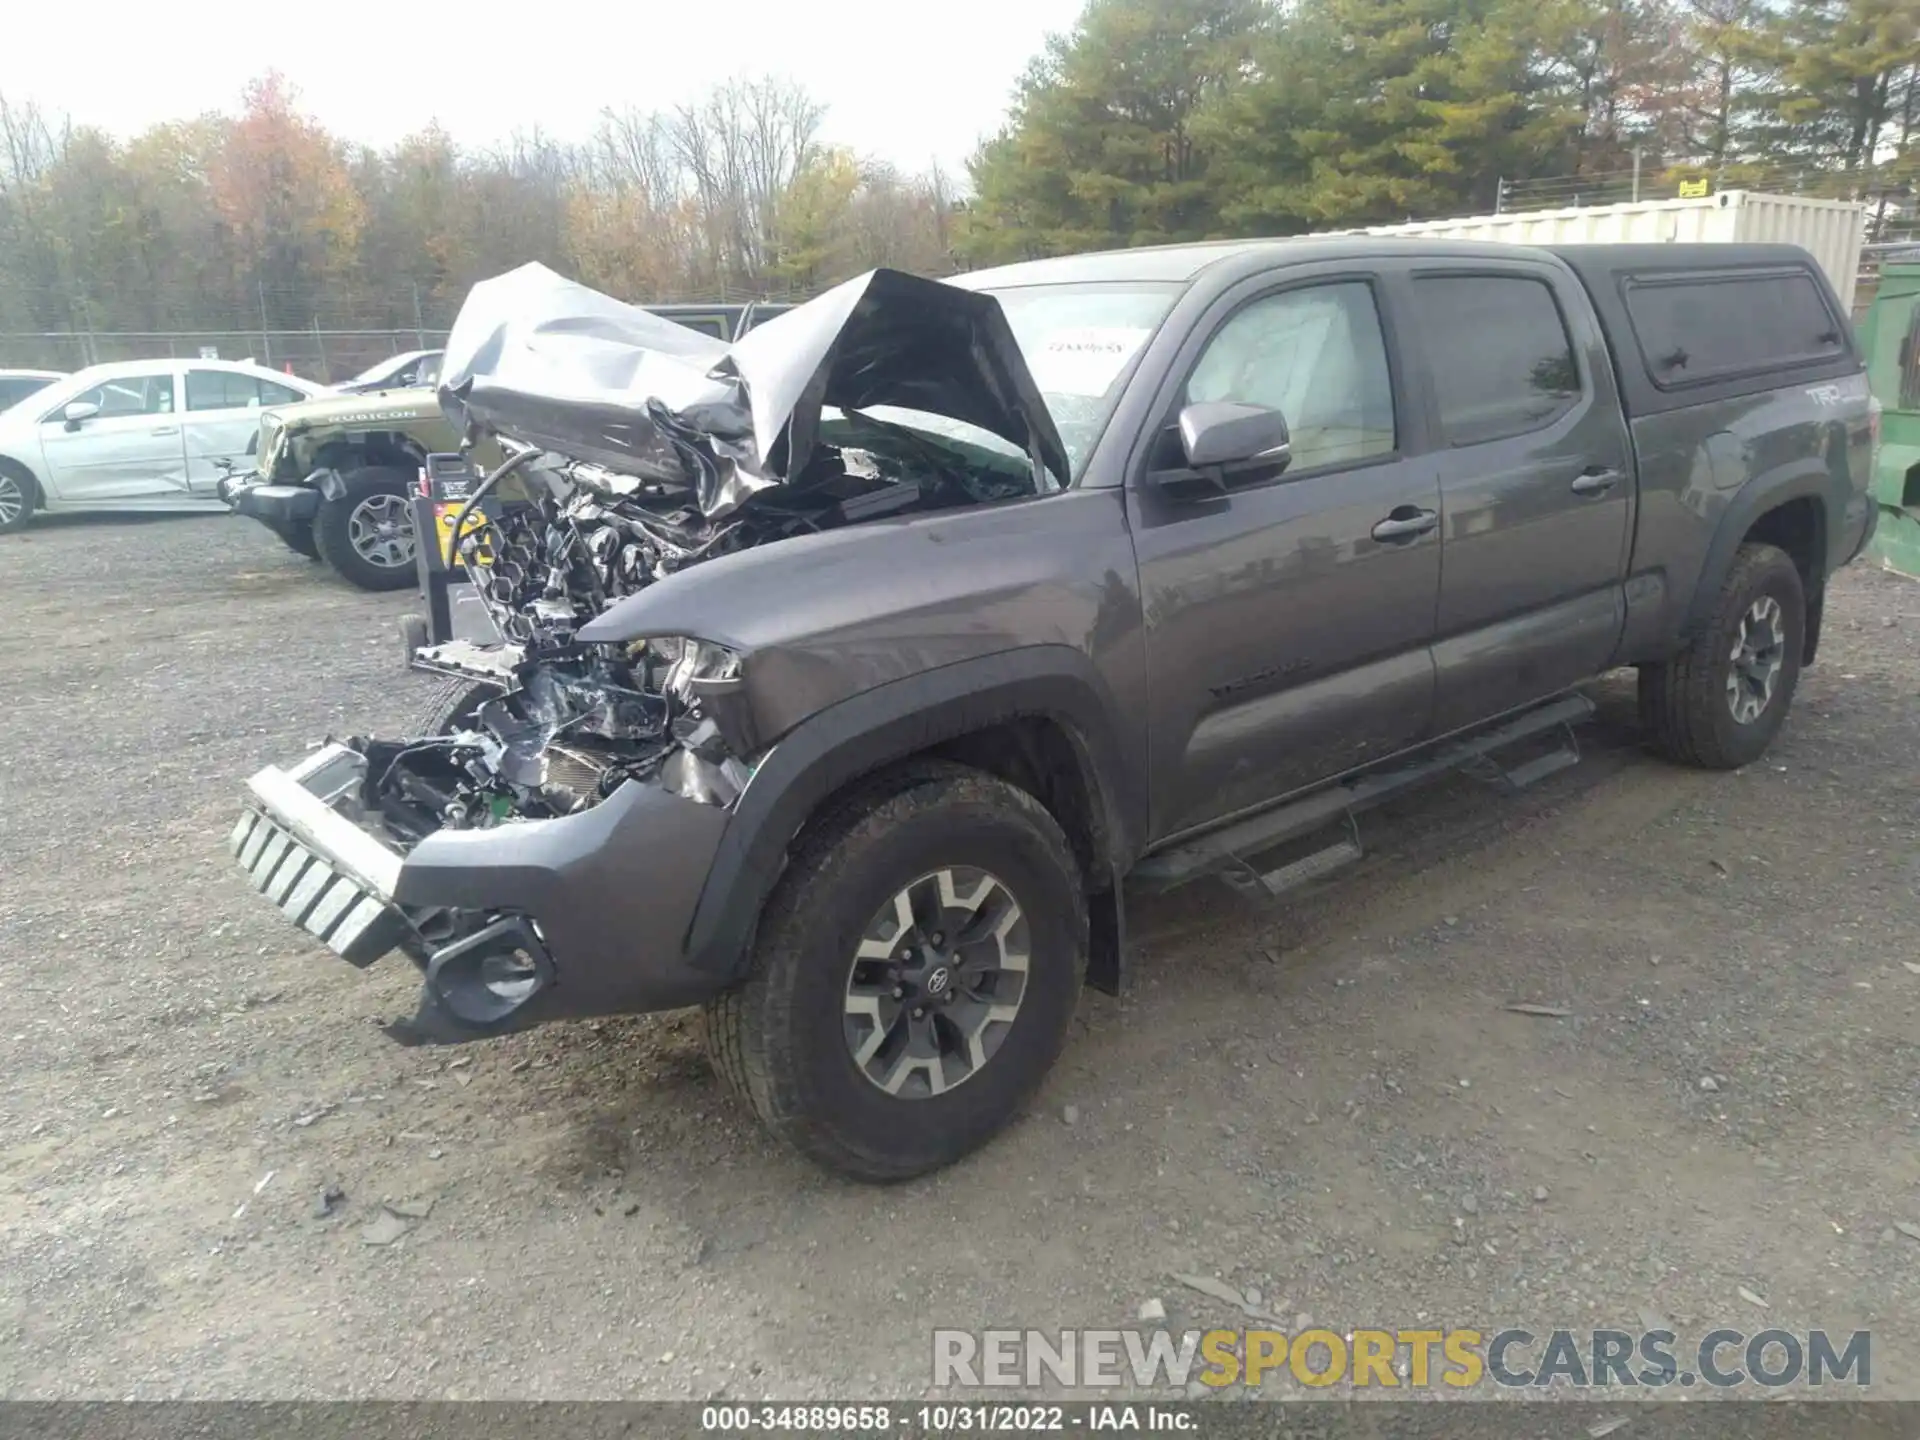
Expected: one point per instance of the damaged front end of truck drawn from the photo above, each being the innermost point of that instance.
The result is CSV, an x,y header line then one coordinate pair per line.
x,y
543,854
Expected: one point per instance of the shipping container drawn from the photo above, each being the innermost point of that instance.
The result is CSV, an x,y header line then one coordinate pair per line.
x,y
1831,230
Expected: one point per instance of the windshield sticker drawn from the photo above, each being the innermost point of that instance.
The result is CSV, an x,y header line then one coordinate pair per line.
x,y
1085,361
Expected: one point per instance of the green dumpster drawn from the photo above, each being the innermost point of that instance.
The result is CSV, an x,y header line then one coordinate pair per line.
x,y
1891,336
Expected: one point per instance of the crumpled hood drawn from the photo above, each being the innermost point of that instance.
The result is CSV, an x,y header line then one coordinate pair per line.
x,y
555,364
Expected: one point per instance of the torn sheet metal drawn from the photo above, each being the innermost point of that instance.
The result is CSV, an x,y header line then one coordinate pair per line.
x,y
555,364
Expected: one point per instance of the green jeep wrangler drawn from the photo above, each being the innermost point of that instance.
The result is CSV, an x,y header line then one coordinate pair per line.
x,y
334,475
334,478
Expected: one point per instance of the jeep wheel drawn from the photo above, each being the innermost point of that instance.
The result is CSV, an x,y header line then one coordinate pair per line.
x,y
1719,703
17,494
913,975
367,534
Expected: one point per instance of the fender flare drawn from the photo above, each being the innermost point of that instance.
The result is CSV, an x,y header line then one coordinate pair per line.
x,y
877,727
404,444
358,451
1808,477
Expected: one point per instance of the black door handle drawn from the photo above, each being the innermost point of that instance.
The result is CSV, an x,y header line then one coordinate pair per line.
x,y
1597,481
1406,522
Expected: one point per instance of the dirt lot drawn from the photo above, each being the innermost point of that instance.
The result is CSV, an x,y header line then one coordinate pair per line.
x,y
1326,1101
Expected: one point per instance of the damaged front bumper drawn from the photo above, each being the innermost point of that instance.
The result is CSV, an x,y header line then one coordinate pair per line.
x,y
510,926
251,495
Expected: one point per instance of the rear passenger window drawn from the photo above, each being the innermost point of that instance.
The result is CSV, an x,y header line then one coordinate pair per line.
x,y
221,390
1498,355
1696,328
1315,355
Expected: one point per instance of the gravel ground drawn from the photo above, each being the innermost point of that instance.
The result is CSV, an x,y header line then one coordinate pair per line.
x,y
1325,1101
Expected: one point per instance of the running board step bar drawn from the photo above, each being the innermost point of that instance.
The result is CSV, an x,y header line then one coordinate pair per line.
x,y
1536,770
1272,884
1222,849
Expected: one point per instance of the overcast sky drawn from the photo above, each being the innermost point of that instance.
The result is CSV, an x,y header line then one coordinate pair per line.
x,y
908,80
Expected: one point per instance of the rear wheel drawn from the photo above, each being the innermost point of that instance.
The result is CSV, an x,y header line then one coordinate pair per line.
x,y
1719,703
367,534
17,496
913,977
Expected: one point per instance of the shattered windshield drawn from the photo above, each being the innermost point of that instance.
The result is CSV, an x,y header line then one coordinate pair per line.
x,y
1079,341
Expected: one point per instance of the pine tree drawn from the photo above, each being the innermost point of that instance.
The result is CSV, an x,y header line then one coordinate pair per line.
x,y
1839,71
1374,110
1100,148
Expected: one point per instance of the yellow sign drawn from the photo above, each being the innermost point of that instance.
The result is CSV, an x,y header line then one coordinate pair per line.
x,y
443,518
1695,189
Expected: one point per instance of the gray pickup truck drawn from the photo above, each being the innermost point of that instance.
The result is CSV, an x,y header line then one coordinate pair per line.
x,y
852,667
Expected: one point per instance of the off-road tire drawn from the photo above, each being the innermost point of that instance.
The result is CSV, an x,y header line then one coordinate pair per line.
x,y
330,535
452,706
778,1039
297,535
1683,702
29,494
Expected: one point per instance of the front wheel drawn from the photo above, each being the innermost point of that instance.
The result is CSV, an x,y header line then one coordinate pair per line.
x,y
367,534
17,493
1719,703
913,977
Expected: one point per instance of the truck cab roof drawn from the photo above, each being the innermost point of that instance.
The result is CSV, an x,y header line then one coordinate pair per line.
x,y
1686,323
1180,264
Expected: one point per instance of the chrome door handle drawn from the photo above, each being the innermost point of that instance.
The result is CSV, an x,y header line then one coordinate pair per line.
x,y
166,430
1405,523
1597,482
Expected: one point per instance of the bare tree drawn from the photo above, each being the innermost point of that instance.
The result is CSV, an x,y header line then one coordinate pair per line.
x,y
740,150
31,148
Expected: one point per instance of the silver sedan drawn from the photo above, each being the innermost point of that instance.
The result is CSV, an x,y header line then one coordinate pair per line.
x,y
134,435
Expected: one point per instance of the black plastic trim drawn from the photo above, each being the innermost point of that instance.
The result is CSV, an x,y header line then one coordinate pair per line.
x,y
877,727
1809,479
276,504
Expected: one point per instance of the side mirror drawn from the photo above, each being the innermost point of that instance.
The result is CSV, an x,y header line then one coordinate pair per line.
x,y
1221,434
78,412
1225,445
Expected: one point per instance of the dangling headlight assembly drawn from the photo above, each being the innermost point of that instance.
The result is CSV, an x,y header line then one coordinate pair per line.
x,y
704,681
696,668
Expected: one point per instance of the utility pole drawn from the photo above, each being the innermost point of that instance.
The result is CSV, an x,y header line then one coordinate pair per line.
x,y
1636,174
419,321
266,341
82,316
1499,194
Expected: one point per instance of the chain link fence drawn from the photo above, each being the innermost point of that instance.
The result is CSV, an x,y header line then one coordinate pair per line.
x,y
327,356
